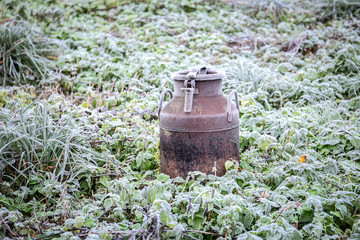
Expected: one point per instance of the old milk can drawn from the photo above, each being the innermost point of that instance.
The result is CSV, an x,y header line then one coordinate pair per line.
x,y
199,127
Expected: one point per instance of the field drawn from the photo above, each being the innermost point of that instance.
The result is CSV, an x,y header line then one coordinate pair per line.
x,y
79,131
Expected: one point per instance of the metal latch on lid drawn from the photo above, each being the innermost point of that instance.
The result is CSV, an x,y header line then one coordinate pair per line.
x,y
189,92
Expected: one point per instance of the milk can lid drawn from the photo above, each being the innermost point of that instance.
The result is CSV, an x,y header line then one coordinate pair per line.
x,y
199,74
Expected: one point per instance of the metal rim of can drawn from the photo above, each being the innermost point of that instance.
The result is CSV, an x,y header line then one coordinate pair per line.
x,y
210,75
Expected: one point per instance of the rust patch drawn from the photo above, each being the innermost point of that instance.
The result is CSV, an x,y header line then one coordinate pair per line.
x,y
193,151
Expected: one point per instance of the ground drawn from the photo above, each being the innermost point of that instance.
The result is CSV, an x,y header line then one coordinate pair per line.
x,y
79,135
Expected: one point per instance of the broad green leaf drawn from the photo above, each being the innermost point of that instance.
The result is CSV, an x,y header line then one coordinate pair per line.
x,y
163,177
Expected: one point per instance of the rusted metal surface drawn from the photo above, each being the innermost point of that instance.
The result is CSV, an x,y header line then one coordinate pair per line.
x,y
199,127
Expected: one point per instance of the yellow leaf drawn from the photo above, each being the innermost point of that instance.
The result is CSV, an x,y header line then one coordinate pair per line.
x,y
244,102
85,105
302,159
52,57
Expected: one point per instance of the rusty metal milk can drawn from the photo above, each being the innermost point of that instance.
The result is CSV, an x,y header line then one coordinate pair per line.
x,y
199,127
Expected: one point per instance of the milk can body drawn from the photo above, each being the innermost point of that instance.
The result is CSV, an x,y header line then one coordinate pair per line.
x,y
199,127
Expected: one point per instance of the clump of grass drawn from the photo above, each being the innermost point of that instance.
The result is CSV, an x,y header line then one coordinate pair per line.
x,y
24,53
33,143
329,9
280,10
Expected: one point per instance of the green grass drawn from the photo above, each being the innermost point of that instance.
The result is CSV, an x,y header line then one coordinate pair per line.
x,y
24,53
34,146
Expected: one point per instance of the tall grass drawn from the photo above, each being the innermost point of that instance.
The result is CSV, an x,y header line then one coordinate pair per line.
x,y
333,9
24,53
31,142
323,10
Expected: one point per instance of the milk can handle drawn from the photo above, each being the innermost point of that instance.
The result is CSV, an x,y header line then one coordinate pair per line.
x,y
162,99
228,107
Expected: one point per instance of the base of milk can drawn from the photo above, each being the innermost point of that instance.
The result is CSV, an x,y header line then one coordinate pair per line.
x,y
183,152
